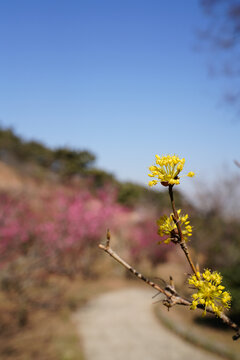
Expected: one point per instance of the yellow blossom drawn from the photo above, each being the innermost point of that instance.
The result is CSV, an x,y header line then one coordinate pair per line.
x,y
210,292
166,170
167,226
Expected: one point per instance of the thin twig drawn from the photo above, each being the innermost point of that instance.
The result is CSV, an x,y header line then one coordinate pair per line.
x,y
169,291
237,163
182,243
172,297
131,269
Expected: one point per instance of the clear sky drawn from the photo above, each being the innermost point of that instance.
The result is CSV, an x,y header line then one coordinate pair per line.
x,y
120,78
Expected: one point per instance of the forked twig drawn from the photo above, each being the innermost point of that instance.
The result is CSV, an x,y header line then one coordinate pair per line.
x,y
172,297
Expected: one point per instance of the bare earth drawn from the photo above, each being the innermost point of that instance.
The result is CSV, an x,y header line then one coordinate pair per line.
x,y
120,325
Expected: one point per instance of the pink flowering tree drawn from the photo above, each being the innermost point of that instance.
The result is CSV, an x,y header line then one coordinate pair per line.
x,y
60,228
17,226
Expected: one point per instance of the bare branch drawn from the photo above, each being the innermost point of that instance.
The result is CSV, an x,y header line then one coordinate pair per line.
x,y
237,163
172,297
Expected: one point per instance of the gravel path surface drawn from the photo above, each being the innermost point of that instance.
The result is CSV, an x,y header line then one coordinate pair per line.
x,y
120,325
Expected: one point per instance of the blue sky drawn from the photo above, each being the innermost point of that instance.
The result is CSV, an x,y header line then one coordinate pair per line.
x,y
121,78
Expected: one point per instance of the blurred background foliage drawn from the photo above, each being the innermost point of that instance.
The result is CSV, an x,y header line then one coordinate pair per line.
x,y
55,207
64,161
55,204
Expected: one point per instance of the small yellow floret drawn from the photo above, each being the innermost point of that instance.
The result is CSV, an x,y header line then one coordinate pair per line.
x,y
167,226
209,292
167,169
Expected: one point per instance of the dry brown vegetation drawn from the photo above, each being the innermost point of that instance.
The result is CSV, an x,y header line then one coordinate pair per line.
x,y
46,331
36,306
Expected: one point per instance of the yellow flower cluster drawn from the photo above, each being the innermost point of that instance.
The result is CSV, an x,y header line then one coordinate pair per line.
x,y
210,292
167,226
166,170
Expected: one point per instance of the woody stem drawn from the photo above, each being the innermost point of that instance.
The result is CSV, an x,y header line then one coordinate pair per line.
x,y
182,243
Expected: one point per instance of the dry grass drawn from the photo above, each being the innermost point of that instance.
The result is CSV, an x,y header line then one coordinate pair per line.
x,y
47,332
42,328
210,335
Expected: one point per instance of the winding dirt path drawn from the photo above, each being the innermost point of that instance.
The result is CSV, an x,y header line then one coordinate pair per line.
x,y
120,325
